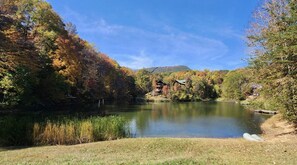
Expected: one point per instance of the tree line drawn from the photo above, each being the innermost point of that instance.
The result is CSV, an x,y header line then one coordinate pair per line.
x,y
199,85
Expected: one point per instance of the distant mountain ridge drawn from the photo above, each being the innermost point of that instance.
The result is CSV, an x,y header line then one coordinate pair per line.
x,y
164,69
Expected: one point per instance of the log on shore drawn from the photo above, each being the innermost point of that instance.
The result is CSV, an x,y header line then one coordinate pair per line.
x,y
266,111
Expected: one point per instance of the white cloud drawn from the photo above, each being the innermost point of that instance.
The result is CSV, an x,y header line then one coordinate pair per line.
x,y
167,46
89,25
230,32
138,61
100,27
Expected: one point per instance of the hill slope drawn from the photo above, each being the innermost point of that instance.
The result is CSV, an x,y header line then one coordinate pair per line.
x,y
168,69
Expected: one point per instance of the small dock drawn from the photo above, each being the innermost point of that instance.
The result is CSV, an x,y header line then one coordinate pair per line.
x,y
266,112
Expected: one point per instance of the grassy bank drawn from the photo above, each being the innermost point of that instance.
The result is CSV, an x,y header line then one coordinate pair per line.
x,y
158,151
279,147
28,130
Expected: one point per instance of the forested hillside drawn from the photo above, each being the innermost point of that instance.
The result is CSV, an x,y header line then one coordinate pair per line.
x,y
199,85
43,61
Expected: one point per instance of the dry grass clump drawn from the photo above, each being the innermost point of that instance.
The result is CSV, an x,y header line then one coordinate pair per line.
x,y
74,131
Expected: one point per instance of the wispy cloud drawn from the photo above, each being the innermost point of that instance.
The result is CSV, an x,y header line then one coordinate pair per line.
x,y
100,27
222,29
230,32
137,61
136,47
89,25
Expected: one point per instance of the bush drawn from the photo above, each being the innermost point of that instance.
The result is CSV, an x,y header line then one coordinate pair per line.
x,y
183,96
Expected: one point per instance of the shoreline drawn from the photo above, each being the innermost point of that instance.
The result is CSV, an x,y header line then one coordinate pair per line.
x,y
272,128
277,129
278,148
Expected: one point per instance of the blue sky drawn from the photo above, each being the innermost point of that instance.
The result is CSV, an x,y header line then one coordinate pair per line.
x,y
202,34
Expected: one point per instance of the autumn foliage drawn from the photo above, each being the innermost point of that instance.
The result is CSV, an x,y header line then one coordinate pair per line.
x,y
44,62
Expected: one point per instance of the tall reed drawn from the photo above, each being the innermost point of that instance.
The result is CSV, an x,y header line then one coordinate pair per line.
x,y
65,130
74,130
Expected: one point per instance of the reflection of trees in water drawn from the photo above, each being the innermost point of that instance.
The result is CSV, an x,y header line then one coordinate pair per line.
x,y
185,112
142,122
195,110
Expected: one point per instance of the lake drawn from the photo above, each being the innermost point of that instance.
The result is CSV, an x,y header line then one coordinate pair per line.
x,y
191,119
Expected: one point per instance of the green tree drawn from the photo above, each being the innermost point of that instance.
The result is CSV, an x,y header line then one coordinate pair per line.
x,y
273,37
233,85
143,80
204,90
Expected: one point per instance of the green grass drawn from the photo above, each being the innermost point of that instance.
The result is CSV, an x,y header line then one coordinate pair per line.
x,y
158,151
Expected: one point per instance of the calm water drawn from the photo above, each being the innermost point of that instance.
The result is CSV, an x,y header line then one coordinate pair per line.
x,y
198,119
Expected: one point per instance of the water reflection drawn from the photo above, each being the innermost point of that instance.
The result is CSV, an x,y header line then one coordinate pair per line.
x,y
198,119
